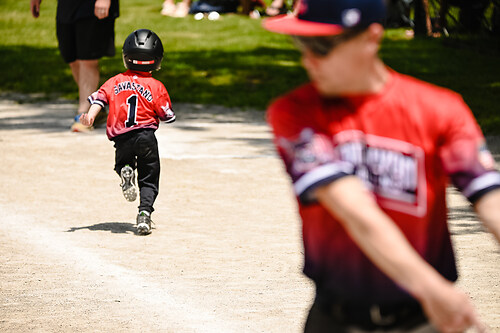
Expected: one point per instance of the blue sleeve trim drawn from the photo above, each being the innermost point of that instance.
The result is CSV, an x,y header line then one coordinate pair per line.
x,y
479,185
170,120
307,196
96,101
478,195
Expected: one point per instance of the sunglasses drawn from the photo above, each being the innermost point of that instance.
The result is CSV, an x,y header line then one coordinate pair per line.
x,y
323,45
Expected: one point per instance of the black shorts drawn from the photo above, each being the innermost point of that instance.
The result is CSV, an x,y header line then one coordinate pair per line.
x,y
86,39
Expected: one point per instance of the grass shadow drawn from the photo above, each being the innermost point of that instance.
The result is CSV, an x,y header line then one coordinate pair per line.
x,y
248,78
252,77
467,70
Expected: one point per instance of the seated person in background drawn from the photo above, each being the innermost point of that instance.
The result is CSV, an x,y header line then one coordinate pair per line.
x,y
219,6
278,7
185,7
170,8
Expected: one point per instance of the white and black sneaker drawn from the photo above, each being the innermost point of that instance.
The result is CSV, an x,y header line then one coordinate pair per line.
x,y
144,223
128,183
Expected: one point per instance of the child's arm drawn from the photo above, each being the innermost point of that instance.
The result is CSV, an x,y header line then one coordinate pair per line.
x,y
87,119
167,115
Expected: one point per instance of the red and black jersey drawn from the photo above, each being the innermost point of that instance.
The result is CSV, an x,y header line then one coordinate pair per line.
x,y
136,100
404,144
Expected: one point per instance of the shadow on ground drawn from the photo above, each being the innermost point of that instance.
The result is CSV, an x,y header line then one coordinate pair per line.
x,y
113,227
464,221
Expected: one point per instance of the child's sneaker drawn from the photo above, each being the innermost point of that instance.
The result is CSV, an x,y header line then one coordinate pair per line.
x,y
128,183
143,223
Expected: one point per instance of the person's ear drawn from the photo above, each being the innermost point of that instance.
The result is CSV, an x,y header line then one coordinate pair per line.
x,y
375,34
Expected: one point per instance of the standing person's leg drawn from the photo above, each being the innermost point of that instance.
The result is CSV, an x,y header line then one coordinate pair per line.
x,y
421,18
86,75
428,24
93,39
67,43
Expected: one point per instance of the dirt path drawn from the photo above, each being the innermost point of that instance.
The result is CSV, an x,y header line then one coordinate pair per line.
x,y
226,252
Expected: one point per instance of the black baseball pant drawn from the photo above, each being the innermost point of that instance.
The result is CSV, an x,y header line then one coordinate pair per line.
x,y
139,149
324,318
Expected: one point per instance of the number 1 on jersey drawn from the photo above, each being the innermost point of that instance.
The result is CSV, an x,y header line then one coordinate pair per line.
x,y
132,111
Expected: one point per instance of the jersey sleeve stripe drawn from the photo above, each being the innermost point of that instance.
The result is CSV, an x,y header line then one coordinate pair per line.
x,y
95,101
320,176
488,180
170,120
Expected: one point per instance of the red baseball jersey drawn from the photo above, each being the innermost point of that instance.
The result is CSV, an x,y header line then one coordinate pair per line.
x,y
404,144
136,100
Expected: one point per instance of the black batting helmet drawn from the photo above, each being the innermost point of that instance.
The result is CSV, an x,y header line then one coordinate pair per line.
x,y
142,51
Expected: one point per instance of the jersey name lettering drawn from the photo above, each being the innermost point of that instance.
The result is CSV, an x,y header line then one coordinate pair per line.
x,y
391,174
394,170
132,86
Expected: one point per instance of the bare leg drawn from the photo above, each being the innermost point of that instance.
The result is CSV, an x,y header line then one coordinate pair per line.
x,y
275,8
246,6
422,19
86,75
428,25
168,8
182,8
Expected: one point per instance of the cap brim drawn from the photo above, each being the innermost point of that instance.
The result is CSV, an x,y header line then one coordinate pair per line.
x,y
292,25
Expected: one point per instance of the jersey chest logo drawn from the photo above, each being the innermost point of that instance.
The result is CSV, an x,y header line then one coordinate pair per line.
x,y
393,170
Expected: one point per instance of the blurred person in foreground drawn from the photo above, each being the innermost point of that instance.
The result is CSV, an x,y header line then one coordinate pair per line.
x,y
369,152
85,33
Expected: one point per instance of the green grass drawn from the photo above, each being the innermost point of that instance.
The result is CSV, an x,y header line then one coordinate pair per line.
x,y
233,61
470,67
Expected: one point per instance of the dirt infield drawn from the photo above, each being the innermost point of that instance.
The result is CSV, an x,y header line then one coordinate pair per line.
x,y
225,256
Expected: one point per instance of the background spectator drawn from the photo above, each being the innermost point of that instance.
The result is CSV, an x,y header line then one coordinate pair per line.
x,y
85,33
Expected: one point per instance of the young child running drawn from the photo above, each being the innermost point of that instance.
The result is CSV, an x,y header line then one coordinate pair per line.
x,y
137,102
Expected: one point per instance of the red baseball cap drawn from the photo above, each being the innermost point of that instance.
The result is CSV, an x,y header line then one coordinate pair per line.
x,y
327,17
